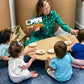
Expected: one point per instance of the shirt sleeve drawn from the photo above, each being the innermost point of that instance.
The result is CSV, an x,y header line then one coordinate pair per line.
x,y
61,24
70,57
2,53
21,63
53,63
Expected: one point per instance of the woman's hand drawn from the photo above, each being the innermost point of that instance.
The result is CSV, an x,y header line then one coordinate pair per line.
x,y
74,31
33,29
30,29
37,28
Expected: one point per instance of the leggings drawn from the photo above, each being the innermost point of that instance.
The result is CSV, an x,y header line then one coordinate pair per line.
x,y
3,63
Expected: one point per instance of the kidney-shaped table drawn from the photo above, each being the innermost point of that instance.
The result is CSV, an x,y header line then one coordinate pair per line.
x,y
47,44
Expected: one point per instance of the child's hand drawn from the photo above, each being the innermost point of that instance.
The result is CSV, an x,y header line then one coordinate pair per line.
x,y
32,50
73,42
24,67
48,58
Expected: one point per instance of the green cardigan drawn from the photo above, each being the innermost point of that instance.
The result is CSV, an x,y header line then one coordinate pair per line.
x,y
49,22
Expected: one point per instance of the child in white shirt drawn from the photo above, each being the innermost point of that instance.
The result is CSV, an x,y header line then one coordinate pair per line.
x,y
18,69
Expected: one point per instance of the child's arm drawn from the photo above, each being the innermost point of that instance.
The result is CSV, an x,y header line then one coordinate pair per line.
x,y
29,63
5,58
78,62
73,42
48,59
27,51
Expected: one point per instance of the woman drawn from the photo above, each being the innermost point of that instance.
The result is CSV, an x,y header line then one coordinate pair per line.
x,y
50,18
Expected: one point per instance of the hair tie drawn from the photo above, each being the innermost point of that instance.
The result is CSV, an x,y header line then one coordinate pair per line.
x,y
19,43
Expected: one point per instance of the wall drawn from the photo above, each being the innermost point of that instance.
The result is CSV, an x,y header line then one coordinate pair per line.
x,y
66,10
24,9
80,14
4,14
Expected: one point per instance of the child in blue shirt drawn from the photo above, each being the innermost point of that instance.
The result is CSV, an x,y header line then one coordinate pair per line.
x,y
78,48
60,67
5,38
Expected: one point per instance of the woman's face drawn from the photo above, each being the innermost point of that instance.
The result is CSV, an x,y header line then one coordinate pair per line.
x,y
46,8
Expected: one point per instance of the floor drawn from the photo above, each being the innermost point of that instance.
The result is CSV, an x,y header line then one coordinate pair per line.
x,y
43,78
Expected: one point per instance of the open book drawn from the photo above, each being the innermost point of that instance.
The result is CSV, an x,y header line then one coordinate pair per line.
x,y
34,22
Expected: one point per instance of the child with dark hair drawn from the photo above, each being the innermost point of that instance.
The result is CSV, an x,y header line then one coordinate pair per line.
x,y
5,38
18,69
60,67
78,48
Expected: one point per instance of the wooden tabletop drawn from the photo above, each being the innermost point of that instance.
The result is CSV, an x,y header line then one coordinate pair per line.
x,y
48,43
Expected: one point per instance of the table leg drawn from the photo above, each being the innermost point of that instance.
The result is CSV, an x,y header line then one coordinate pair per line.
x,y
46,65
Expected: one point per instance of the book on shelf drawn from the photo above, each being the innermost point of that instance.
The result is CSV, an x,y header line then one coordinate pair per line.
x,y
34,22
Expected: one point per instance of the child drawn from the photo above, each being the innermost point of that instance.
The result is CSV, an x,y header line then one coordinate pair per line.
x,y
5,38
78,48
18,69
60,67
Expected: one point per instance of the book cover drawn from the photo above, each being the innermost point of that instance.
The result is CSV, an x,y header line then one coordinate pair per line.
x,y
34,22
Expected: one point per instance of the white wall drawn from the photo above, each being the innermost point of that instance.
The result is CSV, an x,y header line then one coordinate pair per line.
x,y
80,14
12,14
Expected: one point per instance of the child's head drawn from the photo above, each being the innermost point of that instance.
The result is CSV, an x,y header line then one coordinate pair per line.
x,y
80,35
60,49
42,7
5,36
15,49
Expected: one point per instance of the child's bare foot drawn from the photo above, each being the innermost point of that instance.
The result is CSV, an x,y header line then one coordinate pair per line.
x,y
32,72
82,67
34,75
